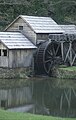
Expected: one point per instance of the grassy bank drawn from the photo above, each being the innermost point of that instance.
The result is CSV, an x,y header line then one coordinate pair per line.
x,y
4,115
66,72
73,68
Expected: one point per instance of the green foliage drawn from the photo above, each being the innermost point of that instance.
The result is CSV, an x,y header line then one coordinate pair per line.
x,y
62,11
73,68
4,115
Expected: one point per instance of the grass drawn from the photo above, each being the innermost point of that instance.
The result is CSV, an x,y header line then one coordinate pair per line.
x,y
5,115
72,68
65,72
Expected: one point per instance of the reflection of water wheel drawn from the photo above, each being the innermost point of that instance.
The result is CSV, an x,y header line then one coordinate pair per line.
x,y
47,55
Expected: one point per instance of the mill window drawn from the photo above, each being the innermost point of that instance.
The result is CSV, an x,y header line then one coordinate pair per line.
x,y
4,52
20,27
0,52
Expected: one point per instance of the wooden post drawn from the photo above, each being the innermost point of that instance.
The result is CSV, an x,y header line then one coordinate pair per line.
x,y
74,53
70,45
62,48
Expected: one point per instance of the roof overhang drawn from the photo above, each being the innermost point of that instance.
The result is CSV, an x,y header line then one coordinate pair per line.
x,y
16,40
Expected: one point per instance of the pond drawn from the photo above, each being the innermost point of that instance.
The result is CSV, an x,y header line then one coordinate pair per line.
x,y
49,96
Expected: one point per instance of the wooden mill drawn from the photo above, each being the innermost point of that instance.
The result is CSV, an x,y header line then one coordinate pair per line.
x,y
41,37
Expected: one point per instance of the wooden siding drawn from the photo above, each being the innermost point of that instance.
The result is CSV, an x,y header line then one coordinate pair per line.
x,y
2,46
16,58
26,29
20,58
3,59
42,37
16,96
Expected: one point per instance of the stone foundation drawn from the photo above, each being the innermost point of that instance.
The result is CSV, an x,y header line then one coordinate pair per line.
x,y
15,73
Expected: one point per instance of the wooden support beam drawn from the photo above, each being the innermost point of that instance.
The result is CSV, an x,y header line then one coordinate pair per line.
x,y
62,50
70,45
74,54
69,54
73,59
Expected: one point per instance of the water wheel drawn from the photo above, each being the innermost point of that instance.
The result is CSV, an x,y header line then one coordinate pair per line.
x,y
47,56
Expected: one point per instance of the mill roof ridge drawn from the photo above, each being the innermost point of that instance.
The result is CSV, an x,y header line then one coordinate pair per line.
x,y
40,24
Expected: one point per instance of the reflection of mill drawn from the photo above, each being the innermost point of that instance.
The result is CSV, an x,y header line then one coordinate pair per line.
x,y
67,96
60,48
61,96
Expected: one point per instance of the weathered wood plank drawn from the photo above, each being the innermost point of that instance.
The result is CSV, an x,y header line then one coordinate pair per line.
x,y
62,52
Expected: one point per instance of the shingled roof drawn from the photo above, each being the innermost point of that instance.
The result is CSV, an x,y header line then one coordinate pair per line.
x,y
15,40
40,24
69,29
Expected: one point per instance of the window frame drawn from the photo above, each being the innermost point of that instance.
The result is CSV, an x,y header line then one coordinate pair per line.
x,y
0,52
5,52
20,27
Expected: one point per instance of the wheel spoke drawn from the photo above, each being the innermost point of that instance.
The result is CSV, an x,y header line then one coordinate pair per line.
x,y
50,67
53,51
49,52
49,57
47,61
57,50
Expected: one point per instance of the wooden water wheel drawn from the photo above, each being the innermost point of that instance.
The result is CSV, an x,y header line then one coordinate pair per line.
x,y
47,56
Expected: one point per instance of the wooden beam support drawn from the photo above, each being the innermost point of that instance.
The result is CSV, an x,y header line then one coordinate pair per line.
x,y
62,50
73,60
67,55
70,45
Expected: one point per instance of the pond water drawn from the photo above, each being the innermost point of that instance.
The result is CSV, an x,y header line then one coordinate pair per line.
x,y
50,96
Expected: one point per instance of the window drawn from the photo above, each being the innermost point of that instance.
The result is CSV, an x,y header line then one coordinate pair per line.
x,y
20,27
4,52
3,103
0,52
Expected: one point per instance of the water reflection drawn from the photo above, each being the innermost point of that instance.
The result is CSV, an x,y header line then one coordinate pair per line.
x,y
57,95
49,96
